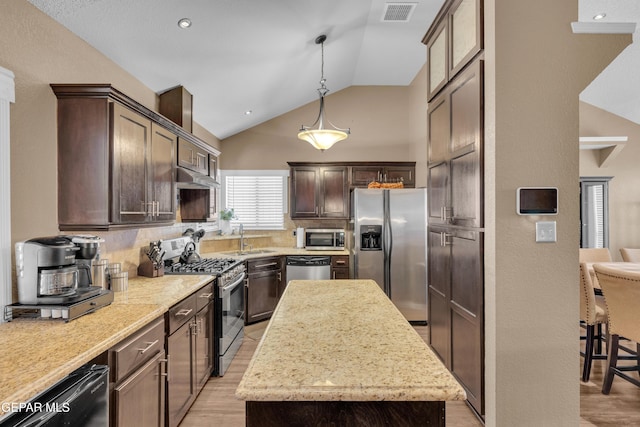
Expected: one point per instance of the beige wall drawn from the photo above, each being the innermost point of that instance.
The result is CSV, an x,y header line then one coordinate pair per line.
x,y
624,188
383,126
39,51
535,70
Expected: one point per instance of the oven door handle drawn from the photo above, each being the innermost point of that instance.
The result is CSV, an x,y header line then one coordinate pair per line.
x,y
231,286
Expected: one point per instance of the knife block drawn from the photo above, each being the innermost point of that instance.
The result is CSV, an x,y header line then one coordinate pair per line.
x,y
147,269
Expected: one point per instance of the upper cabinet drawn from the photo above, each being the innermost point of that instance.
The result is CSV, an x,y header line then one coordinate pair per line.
x,y
362,175
193,157
319,191
116,160
453,43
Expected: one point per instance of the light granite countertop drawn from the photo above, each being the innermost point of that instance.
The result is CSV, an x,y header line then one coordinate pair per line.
x,y
37,353
343,340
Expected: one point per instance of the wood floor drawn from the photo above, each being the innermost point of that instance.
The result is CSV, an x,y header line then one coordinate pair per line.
x,y
217,406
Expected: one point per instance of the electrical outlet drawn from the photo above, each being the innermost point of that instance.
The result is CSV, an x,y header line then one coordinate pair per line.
x,y
545,232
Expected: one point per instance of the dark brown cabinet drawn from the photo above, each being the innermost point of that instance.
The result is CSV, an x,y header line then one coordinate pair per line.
x,y
263,288
138,377
455,162
189,350
340,267
192,157
362,175
319,191
456,313
455,165
116,160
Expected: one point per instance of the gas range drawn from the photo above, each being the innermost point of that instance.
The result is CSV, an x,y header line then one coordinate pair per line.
x,y
214,266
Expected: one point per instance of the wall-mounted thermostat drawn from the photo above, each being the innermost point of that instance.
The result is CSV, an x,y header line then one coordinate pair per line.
x,y
537,201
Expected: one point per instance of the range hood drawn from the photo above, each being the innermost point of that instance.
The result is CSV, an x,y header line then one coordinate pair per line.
x,y
189,179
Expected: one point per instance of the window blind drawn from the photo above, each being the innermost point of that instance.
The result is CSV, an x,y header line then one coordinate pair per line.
x,y
257,200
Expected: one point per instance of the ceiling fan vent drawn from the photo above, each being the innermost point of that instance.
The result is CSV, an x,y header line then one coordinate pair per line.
x,y
397,12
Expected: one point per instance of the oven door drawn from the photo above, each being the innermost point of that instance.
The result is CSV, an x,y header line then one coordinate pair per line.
x,y
232,301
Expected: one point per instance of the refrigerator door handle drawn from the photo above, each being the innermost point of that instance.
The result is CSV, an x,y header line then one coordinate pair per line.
x,y
387,242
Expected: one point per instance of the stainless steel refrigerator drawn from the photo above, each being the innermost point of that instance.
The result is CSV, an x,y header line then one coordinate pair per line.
x,y
390,245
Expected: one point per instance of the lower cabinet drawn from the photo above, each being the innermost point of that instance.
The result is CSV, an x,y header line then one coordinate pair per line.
x,y
456,306
340,267
138,378
263,288
189,350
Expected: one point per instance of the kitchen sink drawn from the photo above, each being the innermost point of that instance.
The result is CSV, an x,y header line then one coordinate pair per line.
x,y
250,252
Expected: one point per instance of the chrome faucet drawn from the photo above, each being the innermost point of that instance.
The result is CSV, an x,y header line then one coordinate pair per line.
x,y
242,243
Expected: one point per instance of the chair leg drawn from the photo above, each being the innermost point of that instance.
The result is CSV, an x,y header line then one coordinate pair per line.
x,y
638,357
599,337
612,361
588,353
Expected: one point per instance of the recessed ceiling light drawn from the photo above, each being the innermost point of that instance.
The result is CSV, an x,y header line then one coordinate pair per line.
x,y
248,112
184,23
599,16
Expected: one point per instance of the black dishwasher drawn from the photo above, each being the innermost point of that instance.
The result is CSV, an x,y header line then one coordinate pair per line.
x,y
80,399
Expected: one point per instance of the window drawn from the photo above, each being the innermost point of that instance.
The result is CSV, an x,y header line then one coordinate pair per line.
x,y
257,197
594,211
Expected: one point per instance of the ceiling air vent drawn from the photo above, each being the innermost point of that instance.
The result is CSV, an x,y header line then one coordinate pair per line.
x,y
397,12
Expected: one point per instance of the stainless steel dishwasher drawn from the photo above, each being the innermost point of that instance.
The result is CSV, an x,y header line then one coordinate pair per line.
x,y
308,267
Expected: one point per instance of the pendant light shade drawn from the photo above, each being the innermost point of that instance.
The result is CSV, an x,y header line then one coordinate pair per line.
x,y
321,137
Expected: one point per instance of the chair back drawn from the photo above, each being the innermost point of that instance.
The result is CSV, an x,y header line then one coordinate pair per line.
x,y
630,254
587,296
621,291
595,255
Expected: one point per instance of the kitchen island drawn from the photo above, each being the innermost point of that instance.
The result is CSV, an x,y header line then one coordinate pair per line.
x,y
338,352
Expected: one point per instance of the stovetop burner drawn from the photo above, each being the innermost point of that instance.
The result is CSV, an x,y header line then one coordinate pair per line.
x,y
204,266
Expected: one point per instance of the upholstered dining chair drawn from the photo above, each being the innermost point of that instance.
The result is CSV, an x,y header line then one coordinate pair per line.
x,y
595,255
630,254
593,312
621,290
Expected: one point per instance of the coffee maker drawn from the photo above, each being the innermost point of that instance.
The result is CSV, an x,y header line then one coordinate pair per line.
x,y
55,270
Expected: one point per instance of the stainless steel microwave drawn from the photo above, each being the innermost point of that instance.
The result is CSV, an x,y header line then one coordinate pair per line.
x,y
324,239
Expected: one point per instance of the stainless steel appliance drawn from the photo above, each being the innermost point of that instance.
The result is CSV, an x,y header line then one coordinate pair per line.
x,y
308,267
49,280
229,308
390,247
80,399
323,239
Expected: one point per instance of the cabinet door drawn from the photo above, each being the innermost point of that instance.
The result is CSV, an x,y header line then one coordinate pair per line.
x,y
140,400
361,176
334,194
466,147
438,123
439,294
404,174
465,24
180,392
162,161
304,192
204,339
192,157
467,314
262,294
130,141
438,194
438,60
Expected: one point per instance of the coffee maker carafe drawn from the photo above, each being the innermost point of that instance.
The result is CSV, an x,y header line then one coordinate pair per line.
x,y
88,247
46,269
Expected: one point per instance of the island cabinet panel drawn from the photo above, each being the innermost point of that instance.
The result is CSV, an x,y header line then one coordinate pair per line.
x,y
261,414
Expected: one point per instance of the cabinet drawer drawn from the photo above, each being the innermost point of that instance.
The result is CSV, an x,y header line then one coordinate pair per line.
x,y
137,349
204,296
180,313
264,264
340,261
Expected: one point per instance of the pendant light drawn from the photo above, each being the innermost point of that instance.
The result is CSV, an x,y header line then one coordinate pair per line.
x,y
322,138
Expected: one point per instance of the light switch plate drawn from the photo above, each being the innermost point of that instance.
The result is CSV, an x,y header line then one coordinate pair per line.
x,y
545,232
